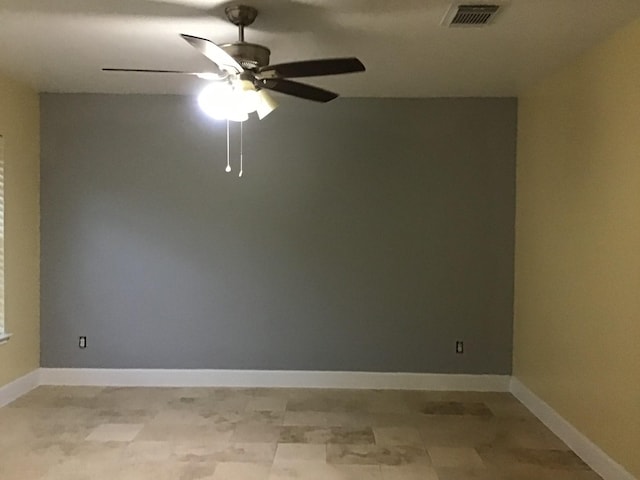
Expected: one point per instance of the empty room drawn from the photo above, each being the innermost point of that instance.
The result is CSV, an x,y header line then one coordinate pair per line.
x,y
319,240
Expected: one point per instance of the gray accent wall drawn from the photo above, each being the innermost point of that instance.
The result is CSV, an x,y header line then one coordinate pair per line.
x,y
365,235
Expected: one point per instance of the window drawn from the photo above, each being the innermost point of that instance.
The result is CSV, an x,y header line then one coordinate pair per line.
x,y
4,336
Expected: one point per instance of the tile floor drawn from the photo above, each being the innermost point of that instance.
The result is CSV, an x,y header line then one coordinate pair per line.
x,y
77,433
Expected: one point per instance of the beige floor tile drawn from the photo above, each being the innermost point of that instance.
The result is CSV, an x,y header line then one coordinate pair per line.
x,y
461,473
231,404
115,432
135,398
184,433
387,401
357,472
458,457
148,451
376,455
19,467
87,460
196,471
300,452
456,408
197,448
515,457
202,451
249,452
241,471
256,432
458,431
298,471
73,471
410,472
121,415
336,402
267,403
270,417
183,416
344,435
58,396
535,472
313,419
69,433
350,420
160,471
190,392
555,459
321,471
397,436
411,420
526,433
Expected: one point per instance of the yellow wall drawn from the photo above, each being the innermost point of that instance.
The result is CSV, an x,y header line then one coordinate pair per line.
x,y
577,281
20,127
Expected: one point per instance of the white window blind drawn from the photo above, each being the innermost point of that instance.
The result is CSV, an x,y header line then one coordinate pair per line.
x,y
2,331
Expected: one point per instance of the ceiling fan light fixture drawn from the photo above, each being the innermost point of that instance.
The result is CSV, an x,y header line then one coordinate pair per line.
x,y
267,104
232,100
245,96
213,100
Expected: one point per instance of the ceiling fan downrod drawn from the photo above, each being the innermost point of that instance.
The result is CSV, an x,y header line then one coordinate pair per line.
x,y
242,16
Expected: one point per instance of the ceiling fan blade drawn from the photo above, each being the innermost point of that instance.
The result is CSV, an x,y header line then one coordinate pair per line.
x,y
296,89
312,68
214,53
205,75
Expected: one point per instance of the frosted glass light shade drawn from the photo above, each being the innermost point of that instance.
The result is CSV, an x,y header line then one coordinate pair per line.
x,y
266,104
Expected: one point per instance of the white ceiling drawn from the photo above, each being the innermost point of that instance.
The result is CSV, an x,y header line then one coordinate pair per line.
x,y
61,45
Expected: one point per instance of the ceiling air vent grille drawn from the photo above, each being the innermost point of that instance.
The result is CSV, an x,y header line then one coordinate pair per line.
x,y
471,15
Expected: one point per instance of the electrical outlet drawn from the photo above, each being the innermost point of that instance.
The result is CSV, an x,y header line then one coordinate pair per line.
x,y
459,347
82,342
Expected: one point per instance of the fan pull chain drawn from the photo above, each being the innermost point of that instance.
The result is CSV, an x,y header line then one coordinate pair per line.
x,y
228,169
241,142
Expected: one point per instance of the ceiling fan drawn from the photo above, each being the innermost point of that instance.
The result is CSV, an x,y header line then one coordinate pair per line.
x,y
245,68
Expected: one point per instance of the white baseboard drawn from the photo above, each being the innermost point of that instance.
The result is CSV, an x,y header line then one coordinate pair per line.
x,y
589,452
272,378
19,387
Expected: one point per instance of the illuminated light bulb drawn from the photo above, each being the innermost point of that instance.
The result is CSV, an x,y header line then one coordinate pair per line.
x,y
214,100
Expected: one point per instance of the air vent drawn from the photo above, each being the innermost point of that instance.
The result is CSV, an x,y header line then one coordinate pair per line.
x,y
470,15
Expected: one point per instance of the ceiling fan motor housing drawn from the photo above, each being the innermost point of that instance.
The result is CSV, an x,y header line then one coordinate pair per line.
x,y
249,55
